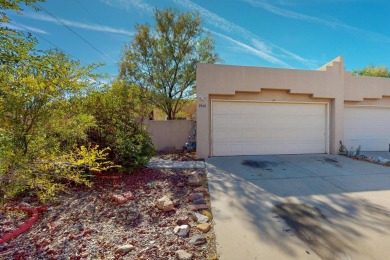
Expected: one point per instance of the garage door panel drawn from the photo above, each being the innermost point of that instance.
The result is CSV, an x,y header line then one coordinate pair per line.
x,y
252,135
368,127
221,137
251,122
268,128
221,121
221,148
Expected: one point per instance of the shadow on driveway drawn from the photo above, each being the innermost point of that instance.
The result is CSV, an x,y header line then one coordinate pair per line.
x,y
300,207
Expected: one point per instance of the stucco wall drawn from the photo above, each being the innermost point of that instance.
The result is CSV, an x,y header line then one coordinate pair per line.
x,y
331,83
169,134
360,88
385,101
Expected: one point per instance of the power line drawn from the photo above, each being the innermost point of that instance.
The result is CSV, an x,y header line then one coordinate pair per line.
x,y
77,34
93,17
87,11
43,38
55,46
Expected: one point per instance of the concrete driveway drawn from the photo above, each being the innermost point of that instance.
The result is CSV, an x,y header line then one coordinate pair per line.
x,y
300,207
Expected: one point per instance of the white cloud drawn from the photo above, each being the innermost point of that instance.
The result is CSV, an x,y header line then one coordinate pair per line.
x,y
128,4
294,15
21,27
229,27
92,27
330,23
258,52
260,48
262,45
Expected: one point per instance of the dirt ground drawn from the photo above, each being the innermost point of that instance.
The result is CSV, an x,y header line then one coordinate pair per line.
x,y
87,223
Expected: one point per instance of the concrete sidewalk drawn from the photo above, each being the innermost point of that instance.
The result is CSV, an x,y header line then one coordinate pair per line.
x,y
349,198
169,164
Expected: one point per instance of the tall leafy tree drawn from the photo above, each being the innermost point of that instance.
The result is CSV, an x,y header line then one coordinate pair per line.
x,y
372,71
162,59
40,121
14,5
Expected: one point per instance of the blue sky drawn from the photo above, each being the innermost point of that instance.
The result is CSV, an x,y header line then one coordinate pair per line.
x,y
299,34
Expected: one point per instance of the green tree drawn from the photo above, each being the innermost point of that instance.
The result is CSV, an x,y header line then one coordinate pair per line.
x,y
372,71
40,120
15,6
162,60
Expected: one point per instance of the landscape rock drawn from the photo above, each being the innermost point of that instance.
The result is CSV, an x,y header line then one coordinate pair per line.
x,y
205,227
182,231
124,249
195,196
122,198
199,207
198,240
119,199
165,204
183,220
128,195
183,255
199,201
26,199
25,204
201,218
201,189
383,160
176,202
193,180
180,184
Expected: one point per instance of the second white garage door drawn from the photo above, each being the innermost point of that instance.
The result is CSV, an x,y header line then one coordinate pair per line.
x,y
253,128
368,127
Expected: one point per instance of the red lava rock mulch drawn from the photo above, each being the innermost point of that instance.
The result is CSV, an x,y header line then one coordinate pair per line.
x,y
89,223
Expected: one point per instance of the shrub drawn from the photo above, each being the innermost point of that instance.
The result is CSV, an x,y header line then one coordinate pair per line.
x,y
119,111
40,119
133,150
46,176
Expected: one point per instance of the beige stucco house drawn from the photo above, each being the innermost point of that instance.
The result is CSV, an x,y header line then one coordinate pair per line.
x,y
255,110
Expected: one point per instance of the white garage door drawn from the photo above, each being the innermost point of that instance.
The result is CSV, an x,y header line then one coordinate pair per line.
x,y
252,128
368,127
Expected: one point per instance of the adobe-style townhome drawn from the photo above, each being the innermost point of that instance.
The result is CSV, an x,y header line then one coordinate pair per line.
x,y
257,111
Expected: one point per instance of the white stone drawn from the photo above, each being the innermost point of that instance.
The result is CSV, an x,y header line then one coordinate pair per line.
x,y
201,218
182,231
124,249
183,255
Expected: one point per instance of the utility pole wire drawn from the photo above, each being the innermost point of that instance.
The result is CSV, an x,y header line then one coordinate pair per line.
x,y
87,11
50,42
77,34
45,39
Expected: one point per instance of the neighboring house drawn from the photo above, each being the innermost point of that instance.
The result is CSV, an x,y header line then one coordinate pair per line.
x,y
255,110
188,112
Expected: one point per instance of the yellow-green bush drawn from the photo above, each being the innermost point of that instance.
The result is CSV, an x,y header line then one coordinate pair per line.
x,y
46,176
41,119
